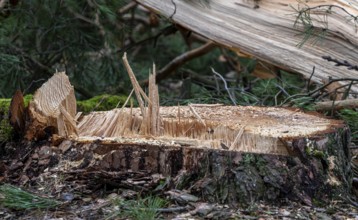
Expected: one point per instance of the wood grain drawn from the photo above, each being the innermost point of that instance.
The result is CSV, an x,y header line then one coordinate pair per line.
x,y
267,31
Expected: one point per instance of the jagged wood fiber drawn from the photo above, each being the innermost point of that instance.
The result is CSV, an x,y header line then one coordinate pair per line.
x,y
53,105
220,153
265,29
249,129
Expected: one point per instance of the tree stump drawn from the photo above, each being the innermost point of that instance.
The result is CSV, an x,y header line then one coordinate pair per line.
x,y
220,153
230,154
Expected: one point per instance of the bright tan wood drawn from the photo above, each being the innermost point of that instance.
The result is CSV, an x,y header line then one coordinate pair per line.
x,y
268,32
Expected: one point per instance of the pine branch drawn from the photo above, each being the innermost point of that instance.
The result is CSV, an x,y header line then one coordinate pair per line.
x,y
181,60
310,29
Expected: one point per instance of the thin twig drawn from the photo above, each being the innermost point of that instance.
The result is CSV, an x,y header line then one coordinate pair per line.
x,y
126,102
225,85
206,105
197,115
238,136
127,7
175,9
341,63
321,88
309,79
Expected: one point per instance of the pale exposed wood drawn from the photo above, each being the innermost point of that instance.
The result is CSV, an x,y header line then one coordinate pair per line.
x,y
154,116
335,105
267,32
53,105
137,89
249,129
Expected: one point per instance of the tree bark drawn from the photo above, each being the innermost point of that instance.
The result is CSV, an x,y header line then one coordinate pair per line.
x,y
221,153
236,154
317,169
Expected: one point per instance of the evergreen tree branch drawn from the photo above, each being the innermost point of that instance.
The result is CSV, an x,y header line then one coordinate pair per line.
x,y
181,60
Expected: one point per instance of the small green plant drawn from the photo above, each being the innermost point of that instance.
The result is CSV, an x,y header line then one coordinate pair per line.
x,y
15,198
142,208
248,159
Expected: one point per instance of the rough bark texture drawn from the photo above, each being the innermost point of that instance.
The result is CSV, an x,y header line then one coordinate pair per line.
x,y
265,29
220,153
320,170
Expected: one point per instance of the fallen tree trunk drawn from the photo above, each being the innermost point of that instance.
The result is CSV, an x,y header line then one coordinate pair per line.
x,y
292,35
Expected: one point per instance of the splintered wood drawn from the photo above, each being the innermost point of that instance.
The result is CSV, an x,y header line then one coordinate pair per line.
x,y
53,107
237,128
151,117
290,34
249,129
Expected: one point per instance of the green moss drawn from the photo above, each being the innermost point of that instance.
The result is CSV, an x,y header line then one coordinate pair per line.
x,y
101,103
27,99
4,105
5,128
311,150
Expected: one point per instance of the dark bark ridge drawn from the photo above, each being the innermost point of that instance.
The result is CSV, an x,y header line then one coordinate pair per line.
x,y
318,168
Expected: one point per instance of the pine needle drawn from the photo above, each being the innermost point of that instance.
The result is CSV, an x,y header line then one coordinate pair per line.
x,y
16,198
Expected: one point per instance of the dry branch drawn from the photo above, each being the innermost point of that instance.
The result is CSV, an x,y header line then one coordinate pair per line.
x,y
180,60
336,105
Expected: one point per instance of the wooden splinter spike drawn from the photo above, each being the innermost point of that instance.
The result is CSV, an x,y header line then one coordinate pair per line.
x,y
137,89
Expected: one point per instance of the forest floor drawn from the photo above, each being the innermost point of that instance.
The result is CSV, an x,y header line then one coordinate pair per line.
x,y
70,196
99,208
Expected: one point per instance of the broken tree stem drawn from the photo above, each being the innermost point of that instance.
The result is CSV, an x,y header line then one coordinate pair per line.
x,y
137,89
329,105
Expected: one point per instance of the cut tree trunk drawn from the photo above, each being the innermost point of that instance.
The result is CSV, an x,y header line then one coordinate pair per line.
x,y
230,154
265,29
220,153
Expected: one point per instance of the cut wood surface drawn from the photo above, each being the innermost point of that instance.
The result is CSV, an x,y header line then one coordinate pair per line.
x,y
239,128
54,107
265,29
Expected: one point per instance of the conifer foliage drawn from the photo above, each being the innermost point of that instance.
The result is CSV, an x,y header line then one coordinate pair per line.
x,y
40,37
